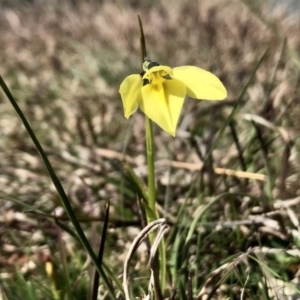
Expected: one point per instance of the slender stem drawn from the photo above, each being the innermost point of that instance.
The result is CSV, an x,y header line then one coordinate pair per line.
x,y
149,141
152,199
151,180
151,169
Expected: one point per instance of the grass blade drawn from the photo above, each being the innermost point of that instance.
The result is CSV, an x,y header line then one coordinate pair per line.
x,y
230,117
58,186
100,253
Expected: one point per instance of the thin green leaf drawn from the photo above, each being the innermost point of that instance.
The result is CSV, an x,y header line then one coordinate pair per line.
x,y
59,188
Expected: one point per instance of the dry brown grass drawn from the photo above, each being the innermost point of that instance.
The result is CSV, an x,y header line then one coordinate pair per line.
x,y
64,65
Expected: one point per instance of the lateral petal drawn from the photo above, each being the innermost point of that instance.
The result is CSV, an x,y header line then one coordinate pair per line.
x,y
155,105
130,90
200,83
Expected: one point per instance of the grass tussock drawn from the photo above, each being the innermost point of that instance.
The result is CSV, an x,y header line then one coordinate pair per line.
x,y
228,184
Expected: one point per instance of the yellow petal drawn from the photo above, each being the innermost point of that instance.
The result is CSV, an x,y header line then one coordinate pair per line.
x,y
175,91
155,105
163,103
200,84
130,91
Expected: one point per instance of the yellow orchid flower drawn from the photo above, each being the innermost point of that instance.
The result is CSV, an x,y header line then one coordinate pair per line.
x,y
161,90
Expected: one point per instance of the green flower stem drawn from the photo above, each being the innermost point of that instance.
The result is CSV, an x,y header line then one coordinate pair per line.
x,y
151,209
152,200
151,169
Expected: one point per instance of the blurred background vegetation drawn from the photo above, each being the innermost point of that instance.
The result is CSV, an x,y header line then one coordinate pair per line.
x,y
64,61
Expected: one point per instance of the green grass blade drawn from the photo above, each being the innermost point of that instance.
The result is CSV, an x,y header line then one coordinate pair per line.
x,y
100,253
64,264
137,181
59,188
242,94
